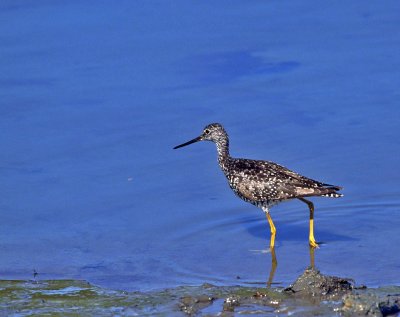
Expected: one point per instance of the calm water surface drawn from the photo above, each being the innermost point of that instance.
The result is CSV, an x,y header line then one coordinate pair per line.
x,y
94,95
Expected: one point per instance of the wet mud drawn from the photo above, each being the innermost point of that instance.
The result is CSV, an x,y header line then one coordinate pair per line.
x,y
312,294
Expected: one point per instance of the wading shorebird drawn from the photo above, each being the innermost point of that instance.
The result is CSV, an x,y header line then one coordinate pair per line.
x,y
263,183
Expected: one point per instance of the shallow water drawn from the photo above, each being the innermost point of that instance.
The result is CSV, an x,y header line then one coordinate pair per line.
x,y
94,96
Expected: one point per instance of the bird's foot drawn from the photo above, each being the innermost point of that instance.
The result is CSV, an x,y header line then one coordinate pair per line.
x,y
313,243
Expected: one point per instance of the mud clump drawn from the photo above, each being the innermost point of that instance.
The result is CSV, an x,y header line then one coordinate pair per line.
x,y
312,294
192,304
226,301
313,284
371,304
230,303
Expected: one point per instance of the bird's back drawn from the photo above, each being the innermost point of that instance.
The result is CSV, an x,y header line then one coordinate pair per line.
x,y
263,182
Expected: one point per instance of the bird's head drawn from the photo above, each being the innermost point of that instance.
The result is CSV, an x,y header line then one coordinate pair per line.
x,y
214,132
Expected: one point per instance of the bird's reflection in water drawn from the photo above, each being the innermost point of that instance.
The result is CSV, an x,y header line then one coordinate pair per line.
x,y
312,258
274,264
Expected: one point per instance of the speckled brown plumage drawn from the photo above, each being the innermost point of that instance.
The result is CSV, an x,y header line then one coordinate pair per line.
x,y
263,183
267,183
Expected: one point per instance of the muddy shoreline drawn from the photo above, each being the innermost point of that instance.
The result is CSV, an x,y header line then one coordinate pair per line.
x,y
312,294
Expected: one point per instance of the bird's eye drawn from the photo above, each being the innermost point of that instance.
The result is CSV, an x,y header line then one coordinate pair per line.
x,y
206,131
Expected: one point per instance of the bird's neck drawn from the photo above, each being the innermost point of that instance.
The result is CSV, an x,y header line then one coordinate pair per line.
x,y
223,152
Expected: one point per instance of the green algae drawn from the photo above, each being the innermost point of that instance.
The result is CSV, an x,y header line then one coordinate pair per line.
x,y
63,297
80,298
74,297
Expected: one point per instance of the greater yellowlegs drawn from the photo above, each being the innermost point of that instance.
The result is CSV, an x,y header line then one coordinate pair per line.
x,y
263,183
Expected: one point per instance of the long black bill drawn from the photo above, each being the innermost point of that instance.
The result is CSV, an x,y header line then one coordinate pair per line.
x,y
189,142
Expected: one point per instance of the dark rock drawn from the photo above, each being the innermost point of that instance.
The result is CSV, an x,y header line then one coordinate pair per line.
x,y
390,306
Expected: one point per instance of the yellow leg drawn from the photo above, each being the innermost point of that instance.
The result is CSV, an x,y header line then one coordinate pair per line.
x,y
273,230
311,237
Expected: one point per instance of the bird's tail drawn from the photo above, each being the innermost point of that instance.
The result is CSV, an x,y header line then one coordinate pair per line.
x,y
331,191
332,195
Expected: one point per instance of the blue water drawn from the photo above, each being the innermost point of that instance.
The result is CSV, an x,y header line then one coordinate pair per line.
x,y
95,94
